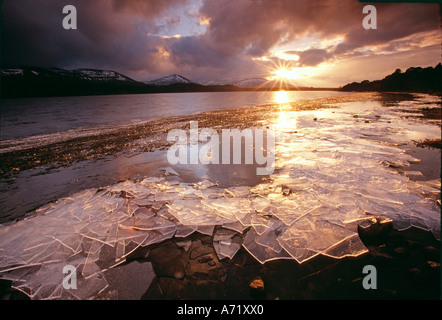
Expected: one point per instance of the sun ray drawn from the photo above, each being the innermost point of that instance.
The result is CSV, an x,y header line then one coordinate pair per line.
x,y
282,72
279,73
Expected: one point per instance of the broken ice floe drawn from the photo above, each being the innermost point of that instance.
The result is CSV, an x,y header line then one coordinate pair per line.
x,y
329,179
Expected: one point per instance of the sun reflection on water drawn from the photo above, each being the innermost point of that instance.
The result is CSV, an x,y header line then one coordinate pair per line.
x,y
281,97
286,121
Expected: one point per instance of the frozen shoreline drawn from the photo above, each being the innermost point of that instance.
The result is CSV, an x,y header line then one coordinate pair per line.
x,y
312,205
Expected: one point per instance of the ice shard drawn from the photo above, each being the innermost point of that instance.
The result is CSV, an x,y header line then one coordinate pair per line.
x,y
332,177
226,243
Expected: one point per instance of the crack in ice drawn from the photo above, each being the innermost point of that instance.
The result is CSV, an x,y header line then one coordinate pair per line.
x,y
330,178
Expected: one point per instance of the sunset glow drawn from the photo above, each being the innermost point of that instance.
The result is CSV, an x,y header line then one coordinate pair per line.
x,y
183,150
283,40
281,97
285,74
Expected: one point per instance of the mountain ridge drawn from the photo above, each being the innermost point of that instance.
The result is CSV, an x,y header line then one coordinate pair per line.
x,y
23,82
43,82
169,80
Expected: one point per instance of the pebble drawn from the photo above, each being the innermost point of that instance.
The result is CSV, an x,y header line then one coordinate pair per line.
x,y
179,274
433,265
400,251
257,285
257,291
211,263
432,252
286,191
415,273
374,232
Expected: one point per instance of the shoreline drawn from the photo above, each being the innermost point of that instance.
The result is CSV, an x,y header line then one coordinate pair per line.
x,y
194,268
147,138
407,264
96,146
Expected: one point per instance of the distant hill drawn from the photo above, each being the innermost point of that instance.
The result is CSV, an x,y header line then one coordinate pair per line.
x,y
415,79
50,82
252,83
169,80
41,82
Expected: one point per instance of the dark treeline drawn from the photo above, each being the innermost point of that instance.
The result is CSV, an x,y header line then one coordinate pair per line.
x,y
415,79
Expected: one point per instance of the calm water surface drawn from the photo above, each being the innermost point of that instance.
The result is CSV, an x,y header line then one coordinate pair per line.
x,y
34,116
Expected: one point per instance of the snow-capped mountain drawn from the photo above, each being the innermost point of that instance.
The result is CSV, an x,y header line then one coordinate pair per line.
x,y
79,74
39,82
251,83
218,82
36,82
169,80
11,72
92,74
101,75
264,84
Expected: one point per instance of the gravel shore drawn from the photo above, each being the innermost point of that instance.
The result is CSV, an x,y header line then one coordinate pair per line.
x,y
407,262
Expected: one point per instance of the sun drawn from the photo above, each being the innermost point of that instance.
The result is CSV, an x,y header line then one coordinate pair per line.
x,y
283,76
282,73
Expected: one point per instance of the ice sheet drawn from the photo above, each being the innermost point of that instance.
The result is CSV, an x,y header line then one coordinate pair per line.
x,y
330,176
226,243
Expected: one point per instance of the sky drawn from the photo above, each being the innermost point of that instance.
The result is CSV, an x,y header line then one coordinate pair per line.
x,y
307,43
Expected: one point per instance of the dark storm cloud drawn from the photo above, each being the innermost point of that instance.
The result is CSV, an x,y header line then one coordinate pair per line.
x,y
123,35
148,8
192,55
192,51
254,27
396,22
312,57
110,33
